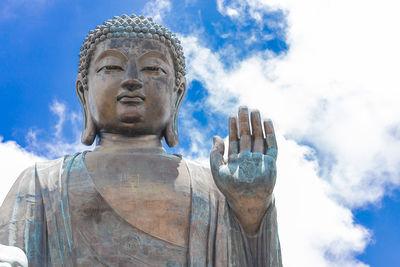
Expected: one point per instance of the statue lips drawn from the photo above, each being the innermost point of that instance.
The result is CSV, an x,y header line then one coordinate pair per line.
x,y
132,106
132,99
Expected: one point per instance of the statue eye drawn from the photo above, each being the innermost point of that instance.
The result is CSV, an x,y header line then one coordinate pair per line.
x,y
154,69
110,68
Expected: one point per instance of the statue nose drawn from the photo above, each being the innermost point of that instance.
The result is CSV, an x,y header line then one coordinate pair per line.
x,y
132,84
132,79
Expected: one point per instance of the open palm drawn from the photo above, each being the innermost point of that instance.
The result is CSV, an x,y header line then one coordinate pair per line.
x,y
248,177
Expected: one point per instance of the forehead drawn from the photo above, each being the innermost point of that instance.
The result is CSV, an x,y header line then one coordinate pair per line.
x,y
134,48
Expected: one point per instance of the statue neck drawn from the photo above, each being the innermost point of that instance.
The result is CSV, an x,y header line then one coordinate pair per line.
x,y
110,142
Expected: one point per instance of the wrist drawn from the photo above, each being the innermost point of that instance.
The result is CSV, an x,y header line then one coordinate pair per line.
x,y
250,212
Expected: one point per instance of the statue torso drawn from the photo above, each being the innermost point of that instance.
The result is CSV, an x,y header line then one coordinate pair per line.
x,y
150,191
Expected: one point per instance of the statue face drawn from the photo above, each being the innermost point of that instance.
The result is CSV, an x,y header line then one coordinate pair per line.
x,y
131,86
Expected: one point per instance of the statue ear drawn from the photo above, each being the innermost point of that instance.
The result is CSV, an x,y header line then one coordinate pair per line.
x,y
89,128
171,131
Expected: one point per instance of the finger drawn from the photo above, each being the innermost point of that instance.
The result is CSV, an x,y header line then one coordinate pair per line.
x,y
244,129
256,126
217,153
272,148
233,137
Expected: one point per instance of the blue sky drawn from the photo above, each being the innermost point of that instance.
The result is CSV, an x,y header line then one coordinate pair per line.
x,y
325,72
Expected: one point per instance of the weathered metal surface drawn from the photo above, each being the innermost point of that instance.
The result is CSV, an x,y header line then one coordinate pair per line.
x,y
128,202
86,231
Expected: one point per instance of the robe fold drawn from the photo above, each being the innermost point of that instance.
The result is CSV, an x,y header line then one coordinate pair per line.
x,y
57,216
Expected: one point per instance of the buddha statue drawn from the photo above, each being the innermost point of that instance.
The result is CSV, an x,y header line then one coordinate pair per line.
x,y
128,202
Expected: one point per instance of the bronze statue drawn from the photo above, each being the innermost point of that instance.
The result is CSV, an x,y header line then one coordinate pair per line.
x,y
128,202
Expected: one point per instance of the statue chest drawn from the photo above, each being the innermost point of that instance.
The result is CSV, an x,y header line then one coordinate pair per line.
x,y
151,192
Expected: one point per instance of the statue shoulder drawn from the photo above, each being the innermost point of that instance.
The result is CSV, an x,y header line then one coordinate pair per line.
x,y
48,172
198,164
28,187
43,174
198,169
200,174
41,168
49,164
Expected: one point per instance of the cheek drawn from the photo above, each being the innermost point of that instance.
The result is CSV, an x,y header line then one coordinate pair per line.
x,y
105,82
160,92
102,94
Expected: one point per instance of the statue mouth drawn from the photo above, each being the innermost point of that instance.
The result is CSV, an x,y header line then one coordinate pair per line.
x,y
131,98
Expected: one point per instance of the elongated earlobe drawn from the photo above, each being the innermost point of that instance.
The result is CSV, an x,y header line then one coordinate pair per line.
x,y
89,128
171,131
171,134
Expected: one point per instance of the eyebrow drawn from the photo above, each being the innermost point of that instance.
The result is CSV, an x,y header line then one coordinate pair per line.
x,y
111,52
157,54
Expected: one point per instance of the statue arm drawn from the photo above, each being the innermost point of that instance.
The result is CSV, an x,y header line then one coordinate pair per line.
x,y
260,249
19,220
248,178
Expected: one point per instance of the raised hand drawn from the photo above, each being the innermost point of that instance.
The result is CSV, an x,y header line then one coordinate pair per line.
x,y
248,178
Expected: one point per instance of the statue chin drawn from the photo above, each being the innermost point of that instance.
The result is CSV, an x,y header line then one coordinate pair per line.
x,y
130,118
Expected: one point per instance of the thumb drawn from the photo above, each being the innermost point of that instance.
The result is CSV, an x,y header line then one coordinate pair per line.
x,y
217,153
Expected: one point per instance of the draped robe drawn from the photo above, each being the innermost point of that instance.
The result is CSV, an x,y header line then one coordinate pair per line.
x,y
57,216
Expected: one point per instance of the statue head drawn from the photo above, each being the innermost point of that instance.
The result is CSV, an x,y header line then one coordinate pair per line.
x,y
131,79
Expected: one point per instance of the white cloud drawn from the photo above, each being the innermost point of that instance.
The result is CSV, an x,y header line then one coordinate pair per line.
x,y
40,148
17,159
254,9
197,149
157,9
314,229
312,225
56,144
58,109
227,10
336,90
